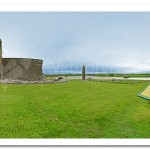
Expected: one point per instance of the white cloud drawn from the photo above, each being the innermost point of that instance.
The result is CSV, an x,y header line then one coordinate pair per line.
x,y
108,39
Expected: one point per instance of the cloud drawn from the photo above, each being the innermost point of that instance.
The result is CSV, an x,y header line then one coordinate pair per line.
x,y
111,40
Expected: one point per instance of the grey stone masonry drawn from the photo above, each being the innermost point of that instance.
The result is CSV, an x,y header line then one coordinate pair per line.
x,y
24,69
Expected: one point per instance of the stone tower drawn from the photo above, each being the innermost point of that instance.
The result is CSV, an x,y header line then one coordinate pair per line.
x,y
1,69
83,72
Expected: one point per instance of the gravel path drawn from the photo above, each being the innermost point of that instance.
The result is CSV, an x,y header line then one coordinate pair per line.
x,y
8,81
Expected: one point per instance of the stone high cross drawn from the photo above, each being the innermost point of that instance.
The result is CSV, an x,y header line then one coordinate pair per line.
x,y
1,69
0,48
83,72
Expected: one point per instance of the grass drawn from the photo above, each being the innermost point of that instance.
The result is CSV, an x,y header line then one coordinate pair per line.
x,y
76,109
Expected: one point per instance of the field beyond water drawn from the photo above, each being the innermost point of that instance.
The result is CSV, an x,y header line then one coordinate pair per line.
x,y
76,109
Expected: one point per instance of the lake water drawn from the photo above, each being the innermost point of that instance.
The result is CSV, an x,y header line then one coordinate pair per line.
x,y
106,78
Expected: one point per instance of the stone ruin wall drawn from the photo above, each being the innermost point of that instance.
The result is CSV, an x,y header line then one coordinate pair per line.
x,y
24,69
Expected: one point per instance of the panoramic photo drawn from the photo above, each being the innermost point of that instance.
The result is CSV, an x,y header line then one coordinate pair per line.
x,y
74,75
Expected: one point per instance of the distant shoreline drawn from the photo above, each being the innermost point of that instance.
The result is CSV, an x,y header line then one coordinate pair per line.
x,y
125,76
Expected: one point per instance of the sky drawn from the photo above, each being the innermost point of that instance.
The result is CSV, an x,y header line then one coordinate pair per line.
x,y
102,41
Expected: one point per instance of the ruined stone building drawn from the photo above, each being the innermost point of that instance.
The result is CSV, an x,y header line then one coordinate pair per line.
x,y
24,69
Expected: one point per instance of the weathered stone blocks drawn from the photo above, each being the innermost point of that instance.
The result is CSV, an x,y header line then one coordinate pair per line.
x,y
24,69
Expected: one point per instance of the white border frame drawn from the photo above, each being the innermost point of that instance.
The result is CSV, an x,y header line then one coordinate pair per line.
x,y
75,6
75,142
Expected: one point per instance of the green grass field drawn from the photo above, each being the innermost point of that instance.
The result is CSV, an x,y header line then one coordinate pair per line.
x,y
76,109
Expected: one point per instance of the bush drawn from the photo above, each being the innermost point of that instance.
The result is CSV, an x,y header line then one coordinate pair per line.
x,y
126,76
111,74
